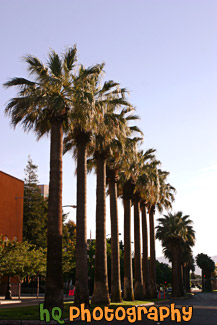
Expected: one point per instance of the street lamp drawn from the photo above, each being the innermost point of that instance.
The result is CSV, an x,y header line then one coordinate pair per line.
x,y
110,234
69,206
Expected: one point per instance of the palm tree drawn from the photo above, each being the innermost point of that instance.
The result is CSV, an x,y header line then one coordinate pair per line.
x,y
101,293
161,195
112,168
112,178
130,171
114,164
174,231
128,190
111,126
138,285
43,105
145,261
83,121
208,266
149,164
187,265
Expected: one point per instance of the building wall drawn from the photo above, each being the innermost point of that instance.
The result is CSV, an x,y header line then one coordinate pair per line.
x,y
11,206
44,190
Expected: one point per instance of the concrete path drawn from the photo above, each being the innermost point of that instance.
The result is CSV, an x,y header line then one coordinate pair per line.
x,y
24,301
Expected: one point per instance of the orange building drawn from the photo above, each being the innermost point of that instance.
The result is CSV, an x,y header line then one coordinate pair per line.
x,y
11,206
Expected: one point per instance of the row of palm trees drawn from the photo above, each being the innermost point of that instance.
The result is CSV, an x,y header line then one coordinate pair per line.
x,y
95,121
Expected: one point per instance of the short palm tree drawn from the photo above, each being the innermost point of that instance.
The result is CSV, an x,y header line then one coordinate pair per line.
x,y
207,266
174,231
43,104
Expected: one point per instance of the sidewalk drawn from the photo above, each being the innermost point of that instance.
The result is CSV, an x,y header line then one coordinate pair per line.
x,y
24,301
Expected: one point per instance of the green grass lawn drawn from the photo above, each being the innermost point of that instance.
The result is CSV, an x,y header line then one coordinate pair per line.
x,y
18,313
128,303
32,312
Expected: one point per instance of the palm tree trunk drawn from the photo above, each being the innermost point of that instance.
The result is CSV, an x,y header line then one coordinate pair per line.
x,y
145,263
128,272
187,278
115,251
182,285
203,281
152,254
101,293
176,271
138,286
54,279
81,280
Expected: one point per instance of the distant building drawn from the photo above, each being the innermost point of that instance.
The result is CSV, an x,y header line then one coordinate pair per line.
x,y
44,190
11,218
11,206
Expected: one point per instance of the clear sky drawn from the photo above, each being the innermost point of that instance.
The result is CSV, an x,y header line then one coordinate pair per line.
x,y
165,53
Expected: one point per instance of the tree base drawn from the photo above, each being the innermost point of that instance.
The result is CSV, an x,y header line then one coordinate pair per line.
x,y
100,295
138,291
81,294
53,299
116,294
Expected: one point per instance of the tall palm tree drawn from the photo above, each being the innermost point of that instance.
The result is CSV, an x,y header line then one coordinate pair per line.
x,y
161,195
128,189
149,164
114,162
187,265
174,231
111,126
112,178
145,261
43,105
130,171
112,168
82,124
138,285
153,197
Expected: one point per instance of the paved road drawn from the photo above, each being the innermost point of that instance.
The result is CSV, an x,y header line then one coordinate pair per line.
x,y
204,309
204,313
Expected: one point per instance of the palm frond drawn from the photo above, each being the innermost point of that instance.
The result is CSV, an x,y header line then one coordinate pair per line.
x,y
70,57
22,82
54,63
36,68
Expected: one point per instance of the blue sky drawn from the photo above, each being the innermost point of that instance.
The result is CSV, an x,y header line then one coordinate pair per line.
x,y
164,52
